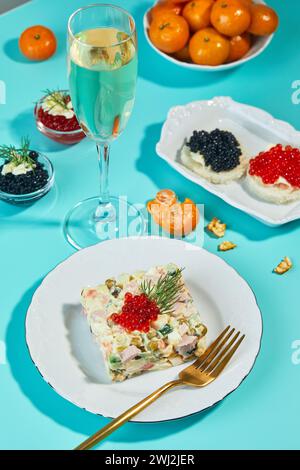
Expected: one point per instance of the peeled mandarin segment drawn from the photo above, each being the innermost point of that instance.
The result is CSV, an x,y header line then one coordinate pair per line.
x,y
191,215
172,219
230,17
158,210
264,20
191,211
155,210
161,204
189,201
181,218
166,196
150,205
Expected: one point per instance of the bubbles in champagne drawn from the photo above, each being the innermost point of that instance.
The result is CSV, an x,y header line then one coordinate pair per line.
x,y
102,77
102,49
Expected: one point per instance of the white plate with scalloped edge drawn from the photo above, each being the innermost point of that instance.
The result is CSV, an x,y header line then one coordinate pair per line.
x,y
63,350
255,129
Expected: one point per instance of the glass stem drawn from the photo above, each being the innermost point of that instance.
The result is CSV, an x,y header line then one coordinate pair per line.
x,y
103,160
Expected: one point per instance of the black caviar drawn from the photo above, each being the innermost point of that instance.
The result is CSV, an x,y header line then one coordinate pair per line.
x,y
24,184
33,154
220,149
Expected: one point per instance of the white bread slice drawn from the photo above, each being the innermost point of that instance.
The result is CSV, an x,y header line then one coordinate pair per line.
x,y
195,162
272,192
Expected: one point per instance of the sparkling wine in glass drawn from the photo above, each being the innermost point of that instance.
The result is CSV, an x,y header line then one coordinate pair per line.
x,y
102,70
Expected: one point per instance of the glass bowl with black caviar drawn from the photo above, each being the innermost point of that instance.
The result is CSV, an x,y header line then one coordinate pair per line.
x,y
25,174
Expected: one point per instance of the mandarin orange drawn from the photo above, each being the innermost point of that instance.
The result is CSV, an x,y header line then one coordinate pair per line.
x,y
264,20
230,17
209,47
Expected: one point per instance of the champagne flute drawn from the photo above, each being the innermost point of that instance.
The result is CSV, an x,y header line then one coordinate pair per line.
x,y
102,71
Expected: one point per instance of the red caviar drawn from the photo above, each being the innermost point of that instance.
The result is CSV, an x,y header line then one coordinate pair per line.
x,y
137,313
58,123
277,162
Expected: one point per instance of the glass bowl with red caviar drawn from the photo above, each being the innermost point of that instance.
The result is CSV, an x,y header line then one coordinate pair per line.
x,y
55,118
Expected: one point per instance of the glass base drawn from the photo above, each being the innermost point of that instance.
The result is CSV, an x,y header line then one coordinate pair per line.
x,y
89,223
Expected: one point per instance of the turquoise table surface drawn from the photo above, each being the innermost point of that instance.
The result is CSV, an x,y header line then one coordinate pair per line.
x,y
265,410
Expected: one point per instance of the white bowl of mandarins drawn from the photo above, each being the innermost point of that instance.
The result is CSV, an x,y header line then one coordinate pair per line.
x,y
210,35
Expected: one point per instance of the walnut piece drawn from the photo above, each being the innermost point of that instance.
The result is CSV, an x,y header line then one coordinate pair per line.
x,y
284,266
216,227
225,246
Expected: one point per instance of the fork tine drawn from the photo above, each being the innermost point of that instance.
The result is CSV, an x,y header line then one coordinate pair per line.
x,y
215,351
212,364
211,347
217,371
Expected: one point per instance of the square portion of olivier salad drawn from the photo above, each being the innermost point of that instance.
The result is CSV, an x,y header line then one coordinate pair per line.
x,y
144,321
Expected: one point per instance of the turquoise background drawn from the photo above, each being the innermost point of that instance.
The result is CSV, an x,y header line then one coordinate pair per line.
x,y
264,411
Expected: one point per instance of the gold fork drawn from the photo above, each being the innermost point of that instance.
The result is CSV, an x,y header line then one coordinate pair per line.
x,y
203,371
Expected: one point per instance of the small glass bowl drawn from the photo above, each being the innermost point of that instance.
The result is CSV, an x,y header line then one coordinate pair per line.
x,y
31,197
62,137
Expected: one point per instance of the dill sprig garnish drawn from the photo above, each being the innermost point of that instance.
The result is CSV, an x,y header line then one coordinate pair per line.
x,y
16,155
166,292
58,97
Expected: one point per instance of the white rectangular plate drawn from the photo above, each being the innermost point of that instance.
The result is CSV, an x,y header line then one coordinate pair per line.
x,y
256,131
